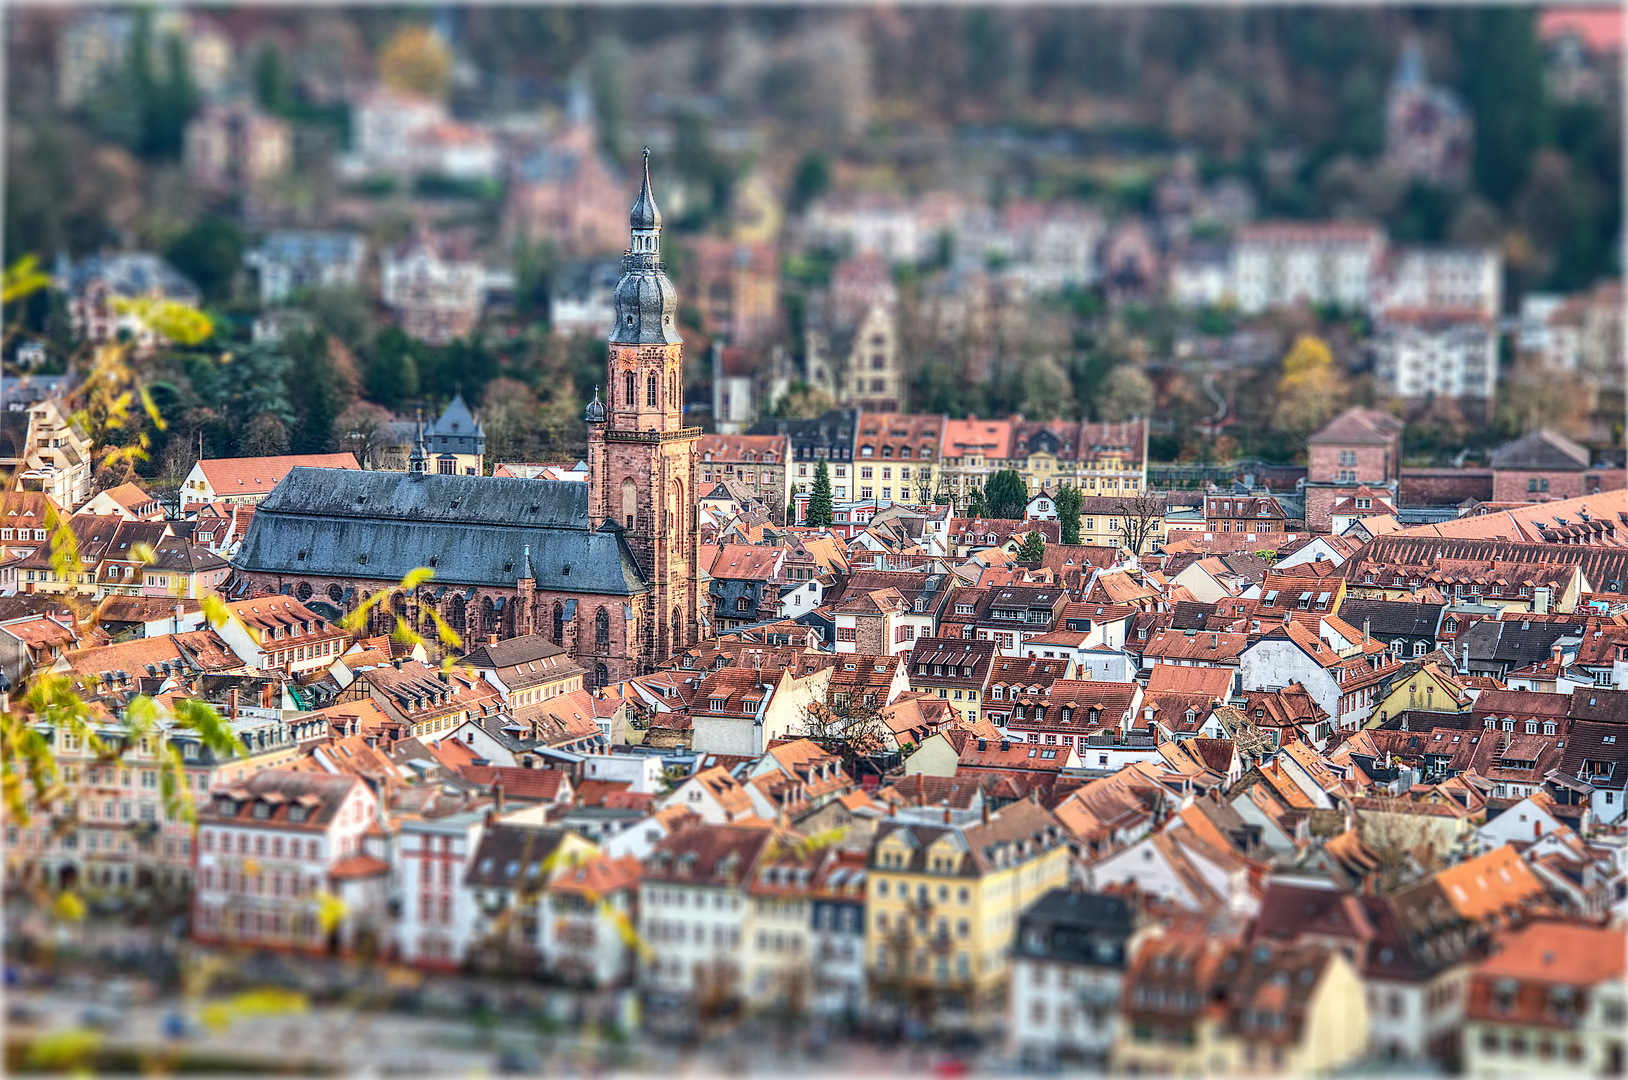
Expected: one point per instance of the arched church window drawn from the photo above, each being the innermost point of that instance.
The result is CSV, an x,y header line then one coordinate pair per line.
x,y
630,502
601,675
630,386
559,623
650,392
602,629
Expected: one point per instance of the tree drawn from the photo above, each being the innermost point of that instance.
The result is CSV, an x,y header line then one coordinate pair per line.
x,y
1126,393
820,515
364,430
1033,549
1139,520
209,253
976,506
392,376
416,61
791,511
1070,501
1006,495
509,415
812,180
271,79
1311,388
803,402
265,437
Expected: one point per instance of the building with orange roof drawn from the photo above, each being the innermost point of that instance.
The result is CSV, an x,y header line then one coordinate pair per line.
x,y
1548,1001
239,481
270,846
128,501
588,931
280,632
695,913
1493,889
974,450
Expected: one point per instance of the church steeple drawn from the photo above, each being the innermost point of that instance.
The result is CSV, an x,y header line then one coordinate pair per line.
x,y
418,461
646,302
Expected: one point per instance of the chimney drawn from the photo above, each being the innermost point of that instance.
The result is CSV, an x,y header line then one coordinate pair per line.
x,y
984,806
231,704
946,815
1367,636
497,795
176,611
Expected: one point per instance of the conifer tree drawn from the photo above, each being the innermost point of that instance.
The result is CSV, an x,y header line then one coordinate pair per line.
x,y
1033,549
819,500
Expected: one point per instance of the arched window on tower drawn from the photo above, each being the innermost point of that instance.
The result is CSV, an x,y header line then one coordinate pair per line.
x,y
630,397
672,391
602,629
679,636
601,675
630,502
650,392
559,623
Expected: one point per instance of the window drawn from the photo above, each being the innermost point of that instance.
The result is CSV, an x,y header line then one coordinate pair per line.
x,y
629,396
650,392
602,629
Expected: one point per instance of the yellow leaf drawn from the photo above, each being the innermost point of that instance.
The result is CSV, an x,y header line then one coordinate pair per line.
x,y
215,610
270,1001
216,1016
57,1051
417,577
330,912
68,907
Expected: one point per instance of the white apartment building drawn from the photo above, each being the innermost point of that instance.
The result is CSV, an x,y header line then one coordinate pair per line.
x,y
269,849
1285,265
1423,354
1460,279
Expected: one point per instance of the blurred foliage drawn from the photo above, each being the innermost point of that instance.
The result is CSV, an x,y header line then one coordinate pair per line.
x,y
416,61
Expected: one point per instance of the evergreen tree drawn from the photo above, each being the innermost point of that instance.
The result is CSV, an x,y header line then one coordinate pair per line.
x,y
1007,496
1069,502
791,512
819,500
976,506
314,391
1033,549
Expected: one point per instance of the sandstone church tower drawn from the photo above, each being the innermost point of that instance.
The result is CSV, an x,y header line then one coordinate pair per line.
x,y
642,460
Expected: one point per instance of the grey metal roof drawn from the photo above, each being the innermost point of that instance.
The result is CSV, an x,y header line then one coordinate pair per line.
x,y
1393,618
472,530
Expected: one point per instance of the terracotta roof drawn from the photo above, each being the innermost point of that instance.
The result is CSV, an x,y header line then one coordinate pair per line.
x,y
1490,884
1171,678
358,866
1537,958
986,438
231,477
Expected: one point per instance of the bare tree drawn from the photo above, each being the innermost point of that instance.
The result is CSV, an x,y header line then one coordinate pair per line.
x,y
364,429
849,729
1139,517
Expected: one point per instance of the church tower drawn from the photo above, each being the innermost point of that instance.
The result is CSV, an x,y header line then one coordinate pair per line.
x,y
642,460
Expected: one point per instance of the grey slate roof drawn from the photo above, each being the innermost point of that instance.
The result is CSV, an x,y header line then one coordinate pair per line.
x,y
1076,927
474,528
1541,450
1389,619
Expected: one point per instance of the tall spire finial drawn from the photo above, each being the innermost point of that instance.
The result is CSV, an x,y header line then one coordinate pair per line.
x,y
645,216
